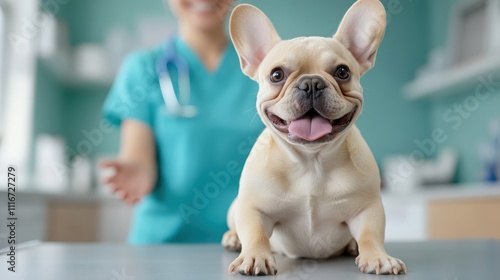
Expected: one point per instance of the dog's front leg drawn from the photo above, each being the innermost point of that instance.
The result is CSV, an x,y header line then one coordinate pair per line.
x,y
254,229
368,228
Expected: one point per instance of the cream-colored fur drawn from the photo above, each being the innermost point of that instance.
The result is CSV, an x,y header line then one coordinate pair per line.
x,y
300,198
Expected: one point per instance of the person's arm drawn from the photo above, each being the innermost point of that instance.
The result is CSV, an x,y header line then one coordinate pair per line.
x,y
138,144
136,167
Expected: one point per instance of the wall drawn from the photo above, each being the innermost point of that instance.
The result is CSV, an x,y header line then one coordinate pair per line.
x,y
49,101
473,130
90,20
85,106
389,122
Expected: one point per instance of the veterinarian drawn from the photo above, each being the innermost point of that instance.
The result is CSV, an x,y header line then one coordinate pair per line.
x,y
183,144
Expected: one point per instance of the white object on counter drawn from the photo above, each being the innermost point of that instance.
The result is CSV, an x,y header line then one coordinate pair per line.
x,y
81,175
47,36
439,171
400,175
53,37
51,167
91,63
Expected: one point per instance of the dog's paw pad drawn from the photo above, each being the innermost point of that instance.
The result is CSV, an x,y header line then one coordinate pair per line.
x,y
254,264
380,264
230,241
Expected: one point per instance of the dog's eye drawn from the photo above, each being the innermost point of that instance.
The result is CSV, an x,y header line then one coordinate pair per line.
x,y
277,75
343,72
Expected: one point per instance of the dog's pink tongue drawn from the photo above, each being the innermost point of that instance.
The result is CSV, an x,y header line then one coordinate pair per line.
x,y
310,128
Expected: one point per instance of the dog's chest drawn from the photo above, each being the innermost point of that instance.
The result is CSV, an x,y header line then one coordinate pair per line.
x,y
320,197
312,220
314,228
314,212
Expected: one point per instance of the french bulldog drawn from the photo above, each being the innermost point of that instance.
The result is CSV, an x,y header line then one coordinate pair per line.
x,y
310,187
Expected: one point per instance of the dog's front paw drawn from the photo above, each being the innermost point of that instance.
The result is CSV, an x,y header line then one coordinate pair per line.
x,y
380,264
230,241
254,263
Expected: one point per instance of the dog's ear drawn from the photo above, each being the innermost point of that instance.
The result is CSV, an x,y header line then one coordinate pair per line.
x,y
253,36
362,30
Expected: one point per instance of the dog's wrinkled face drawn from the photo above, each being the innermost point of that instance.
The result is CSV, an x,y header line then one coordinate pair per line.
x,y
310,90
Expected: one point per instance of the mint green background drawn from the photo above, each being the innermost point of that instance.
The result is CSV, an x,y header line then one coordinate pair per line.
x,y
474,129
389,123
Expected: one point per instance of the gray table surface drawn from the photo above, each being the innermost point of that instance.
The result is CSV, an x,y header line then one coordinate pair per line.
x,y
440,260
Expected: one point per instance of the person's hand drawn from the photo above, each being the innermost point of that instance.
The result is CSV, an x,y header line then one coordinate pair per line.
x,y
131,181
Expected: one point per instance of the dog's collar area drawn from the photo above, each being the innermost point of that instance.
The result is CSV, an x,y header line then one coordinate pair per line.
x,y
312,127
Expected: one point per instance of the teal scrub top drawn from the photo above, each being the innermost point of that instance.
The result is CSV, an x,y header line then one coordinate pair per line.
x,y
199,159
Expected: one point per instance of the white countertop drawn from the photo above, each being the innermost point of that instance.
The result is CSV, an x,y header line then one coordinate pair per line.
x,y
71,196
428,193
447,192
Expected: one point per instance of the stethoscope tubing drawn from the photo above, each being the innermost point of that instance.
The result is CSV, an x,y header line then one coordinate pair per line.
x,y
173,105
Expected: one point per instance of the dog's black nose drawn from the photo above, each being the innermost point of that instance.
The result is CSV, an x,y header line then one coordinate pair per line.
x,y
311,85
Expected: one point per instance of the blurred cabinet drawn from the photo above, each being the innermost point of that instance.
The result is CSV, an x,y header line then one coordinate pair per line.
x,y
466,218
449,212
406,220
67,217
104,220
73,222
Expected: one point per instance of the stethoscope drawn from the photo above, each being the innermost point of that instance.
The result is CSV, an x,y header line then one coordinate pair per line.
x,y
174,105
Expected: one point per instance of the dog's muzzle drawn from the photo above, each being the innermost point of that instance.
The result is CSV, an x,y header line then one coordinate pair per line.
x,y
312,107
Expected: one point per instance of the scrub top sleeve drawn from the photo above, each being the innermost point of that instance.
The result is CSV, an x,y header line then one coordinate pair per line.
x,y
129,96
